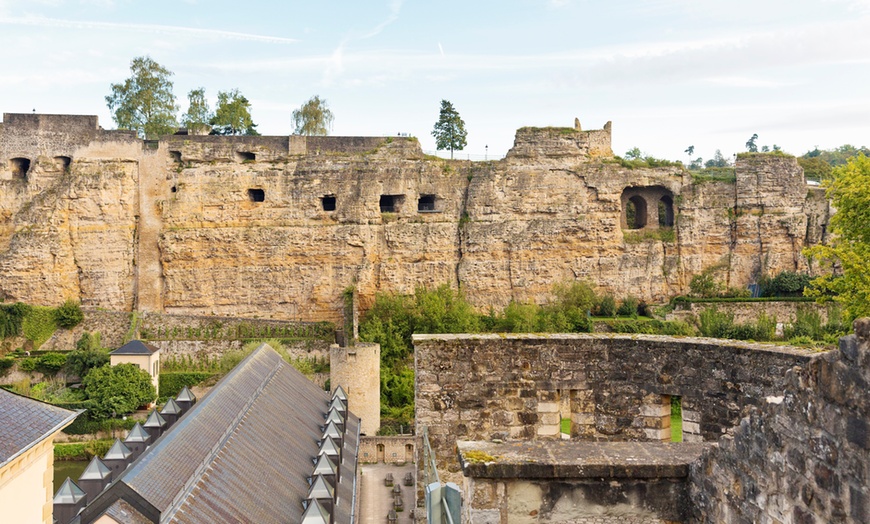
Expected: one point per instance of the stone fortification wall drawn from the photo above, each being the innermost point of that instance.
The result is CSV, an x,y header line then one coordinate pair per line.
x,y
357,369
482,387
280,226
749,311
803,455
388,449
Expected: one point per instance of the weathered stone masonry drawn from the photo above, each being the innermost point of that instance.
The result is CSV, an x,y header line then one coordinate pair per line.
x,y
787,430
280,226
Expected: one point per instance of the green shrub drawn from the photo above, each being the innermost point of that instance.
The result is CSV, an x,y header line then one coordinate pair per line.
x,y
172,383
785,284
50,363
704,285
652,327
807,323
11,317
118,389
606,307
70,451
628,307
69,314
28,364
5,365
716,324
38,325
80,362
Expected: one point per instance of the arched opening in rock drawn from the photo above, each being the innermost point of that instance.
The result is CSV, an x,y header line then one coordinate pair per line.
x,y
19,166
635,212
666,211
63,162
256,195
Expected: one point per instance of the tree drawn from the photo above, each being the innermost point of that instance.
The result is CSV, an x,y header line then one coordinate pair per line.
x,y
232,116
849,192
144,102
633,154
69,314
449,130
690,151
718,160
198,117
815,168
86,356
118,389
314,118
750,144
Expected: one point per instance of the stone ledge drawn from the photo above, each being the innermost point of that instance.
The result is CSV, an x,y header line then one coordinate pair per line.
x,y
575,460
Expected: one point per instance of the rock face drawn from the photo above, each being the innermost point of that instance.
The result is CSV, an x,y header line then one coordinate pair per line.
x,y
280,226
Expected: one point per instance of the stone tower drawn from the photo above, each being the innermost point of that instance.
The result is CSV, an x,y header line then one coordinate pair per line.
x,y
357,369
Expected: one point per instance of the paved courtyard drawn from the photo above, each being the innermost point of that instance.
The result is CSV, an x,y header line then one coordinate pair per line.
x,y
376,499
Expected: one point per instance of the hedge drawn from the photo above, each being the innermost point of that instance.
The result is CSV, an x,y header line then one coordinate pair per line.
x,y
82,450
693,300
83,425
172,383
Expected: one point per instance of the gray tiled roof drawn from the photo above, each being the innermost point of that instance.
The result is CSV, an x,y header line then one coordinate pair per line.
x,y
241,454
135,347
24,422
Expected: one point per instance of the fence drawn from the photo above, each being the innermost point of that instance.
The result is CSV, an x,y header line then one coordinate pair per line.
x,y
443,501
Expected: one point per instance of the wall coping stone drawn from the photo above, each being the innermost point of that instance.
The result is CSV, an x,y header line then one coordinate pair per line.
x,y
696,341
580,460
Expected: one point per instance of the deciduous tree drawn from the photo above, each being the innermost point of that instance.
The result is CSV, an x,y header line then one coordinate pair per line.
x,y
118,389
849,249
232,115
144,102
198,117
314,118
449,130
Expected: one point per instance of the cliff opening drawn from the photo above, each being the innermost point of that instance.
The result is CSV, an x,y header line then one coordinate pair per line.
x,y
391,203
63,162
635,212
245,156
666,211
328,202
176,156
256,195
426,204
20,167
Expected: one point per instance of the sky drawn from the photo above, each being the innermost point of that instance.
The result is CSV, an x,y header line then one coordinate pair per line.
x,y
667,73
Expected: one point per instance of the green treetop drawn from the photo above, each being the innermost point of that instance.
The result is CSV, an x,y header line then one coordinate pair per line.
x,y
449,130
313,119
144,102
198,116
232,115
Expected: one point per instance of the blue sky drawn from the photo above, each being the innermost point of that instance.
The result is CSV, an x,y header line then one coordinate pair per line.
x,y
668,73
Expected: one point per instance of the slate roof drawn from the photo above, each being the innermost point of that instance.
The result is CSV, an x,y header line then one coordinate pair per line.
x,y
135,347
25,422
244,453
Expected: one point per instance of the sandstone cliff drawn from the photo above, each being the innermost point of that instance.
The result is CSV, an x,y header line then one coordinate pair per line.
x,y
279,226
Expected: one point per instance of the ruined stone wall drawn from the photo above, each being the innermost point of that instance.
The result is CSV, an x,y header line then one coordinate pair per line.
x,y
387,449
749,311
481,387
243,226
804,454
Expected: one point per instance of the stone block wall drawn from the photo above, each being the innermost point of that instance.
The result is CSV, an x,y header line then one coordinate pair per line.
x,y
509,387
388,449
803,455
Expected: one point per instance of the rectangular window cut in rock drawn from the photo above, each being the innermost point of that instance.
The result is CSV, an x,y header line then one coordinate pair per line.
x,y
245,156
256,195
391,203
19,167
328,202
426,204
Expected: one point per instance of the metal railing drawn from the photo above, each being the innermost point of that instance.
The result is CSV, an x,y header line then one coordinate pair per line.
x,y
443,501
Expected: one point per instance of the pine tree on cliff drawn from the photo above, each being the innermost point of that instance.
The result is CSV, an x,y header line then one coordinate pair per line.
x,y
144,102
449,130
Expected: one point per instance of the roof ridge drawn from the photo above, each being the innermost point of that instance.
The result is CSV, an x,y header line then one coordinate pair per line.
x,y
213,454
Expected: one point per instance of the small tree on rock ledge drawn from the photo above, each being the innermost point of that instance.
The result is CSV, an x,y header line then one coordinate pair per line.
x,y
449,130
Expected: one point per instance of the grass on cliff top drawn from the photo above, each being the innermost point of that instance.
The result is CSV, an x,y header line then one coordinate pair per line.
x,y
645,162
715,174
549,129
